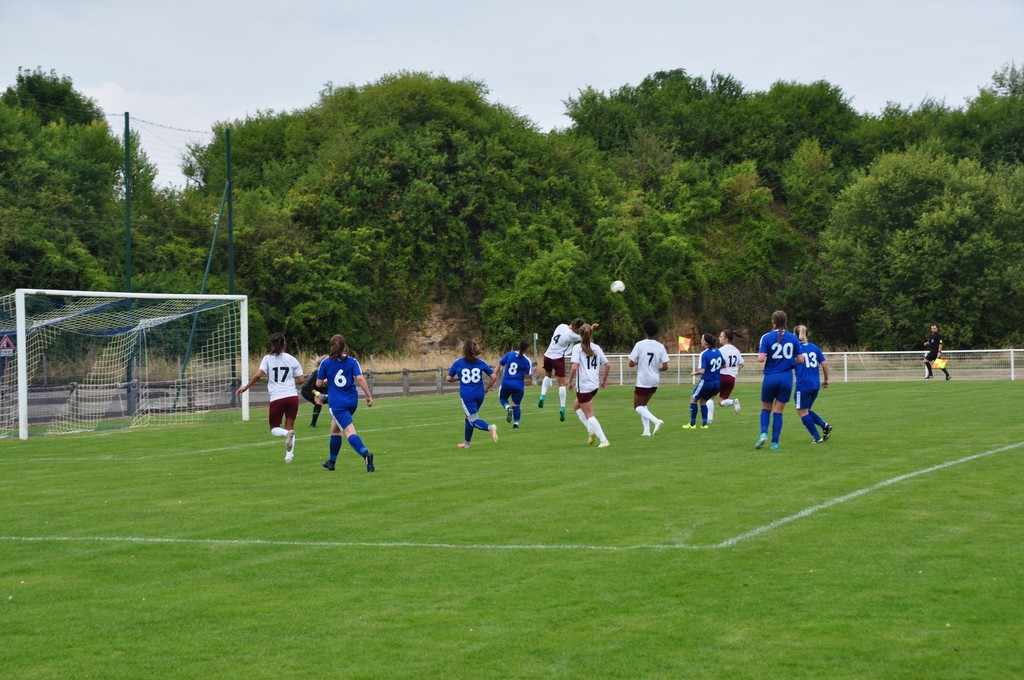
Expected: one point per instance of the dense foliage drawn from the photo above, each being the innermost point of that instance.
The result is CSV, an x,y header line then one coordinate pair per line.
x,y
380,204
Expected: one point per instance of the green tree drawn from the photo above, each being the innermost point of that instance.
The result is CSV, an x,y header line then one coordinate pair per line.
x,y
51,98
991,129
398,195
923,238
809,181
58,189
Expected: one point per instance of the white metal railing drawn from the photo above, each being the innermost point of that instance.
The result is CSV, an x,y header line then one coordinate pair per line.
x,y
986,364
981,364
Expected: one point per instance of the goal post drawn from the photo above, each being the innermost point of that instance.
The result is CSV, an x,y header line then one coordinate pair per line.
x,y
88,360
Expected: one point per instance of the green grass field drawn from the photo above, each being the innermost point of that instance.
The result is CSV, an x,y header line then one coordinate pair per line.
x,y
893,551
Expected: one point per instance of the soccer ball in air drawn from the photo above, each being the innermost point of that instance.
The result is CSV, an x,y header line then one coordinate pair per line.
x,y
618,286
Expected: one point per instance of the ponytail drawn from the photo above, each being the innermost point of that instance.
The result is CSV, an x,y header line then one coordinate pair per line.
x,y
277,343
586,333
339,348
779,321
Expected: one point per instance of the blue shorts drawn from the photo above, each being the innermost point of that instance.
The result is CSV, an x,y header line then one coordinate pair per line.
x,y
704,392
342,413
513,393
471,403
805,399
777,387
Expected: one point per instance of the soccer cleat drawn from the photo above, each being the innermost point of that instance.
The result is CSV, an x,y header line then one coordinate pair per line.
x,y
540,402
949,377
646,434
515,426
704,427
604,445
736,405
689,426
817,441
826,432
289,446
774,446
508,414
591,438
927,377
657,425
561,414
708,423
761,441
369,462
464,445
328,465
494,432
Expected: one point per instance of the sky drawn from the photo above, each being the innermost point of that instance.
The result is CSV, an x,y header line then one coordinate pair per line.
x,y
188,64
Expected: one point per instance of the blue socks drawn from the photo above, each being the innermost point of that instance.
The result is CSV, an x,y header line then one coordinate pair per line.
x,y
776,428
808,421
358,445
355,441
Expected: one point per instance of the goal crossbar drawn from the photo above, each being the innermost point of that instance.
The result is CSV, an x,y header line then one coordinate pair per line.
x,y
114,345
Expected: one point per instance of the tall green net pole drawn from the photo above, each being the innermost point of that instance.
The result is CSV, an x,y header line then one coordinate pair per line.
x,y
231,247
131,397
231,215
127,205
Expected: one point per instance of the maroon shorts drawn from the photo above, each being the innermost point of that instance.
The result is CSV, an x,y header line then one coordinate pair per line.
x,y
727,383
283,410
584,397
646,392
556,365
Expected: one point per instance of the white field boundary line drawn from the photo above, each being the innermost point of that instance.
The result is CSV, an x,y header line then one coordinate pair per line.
x,y
268,441
728,543
807,512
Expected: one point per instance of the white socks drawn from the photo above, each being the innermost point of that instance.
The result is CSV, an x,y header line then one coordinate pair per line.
x,y
544,385
646,417
561,395
583,419
279,432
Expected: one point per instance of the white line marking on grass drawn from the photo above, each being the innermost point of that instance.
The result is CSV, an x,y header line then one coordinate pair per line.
x,y
728,543
322,544
267,442
807,512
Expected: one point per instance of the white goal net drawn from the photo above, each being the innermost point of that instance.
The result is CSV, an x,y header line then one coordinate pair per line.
x,y
73,361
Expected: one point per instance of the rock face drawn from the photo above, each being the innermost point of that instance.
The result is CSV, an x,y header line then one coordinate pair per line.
x,y
441,331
